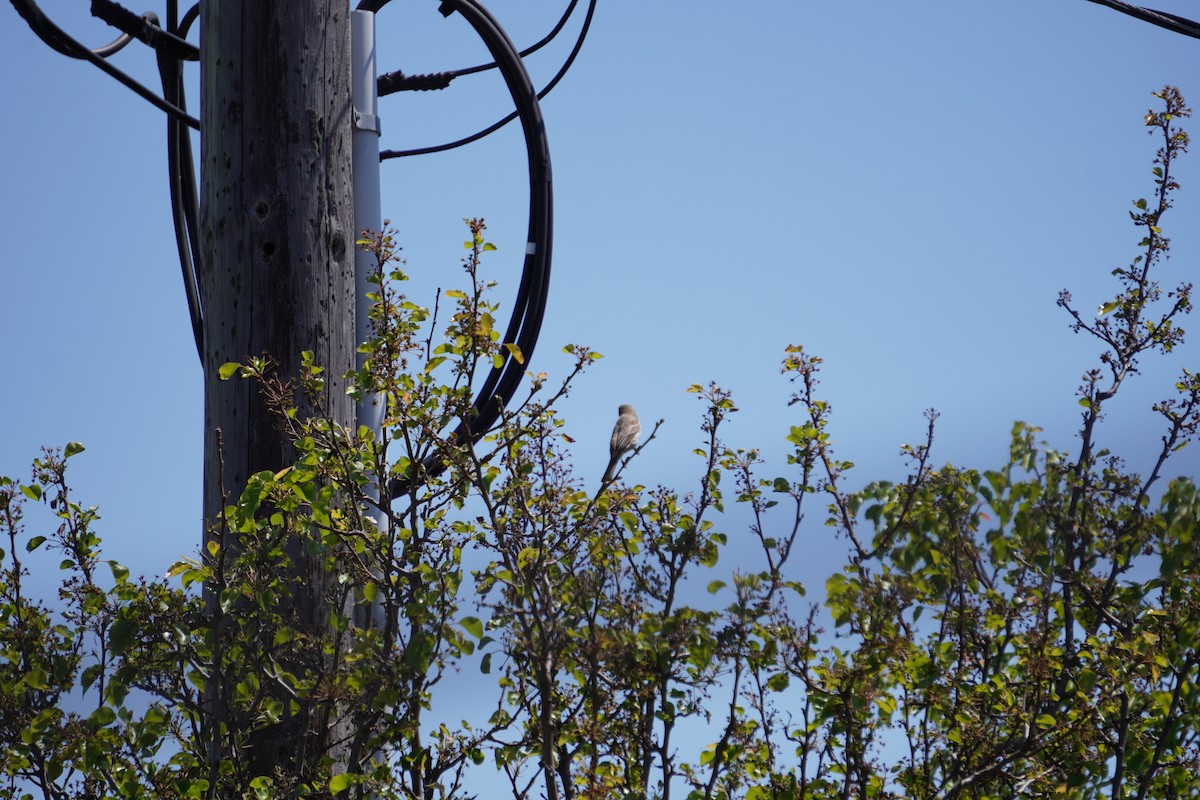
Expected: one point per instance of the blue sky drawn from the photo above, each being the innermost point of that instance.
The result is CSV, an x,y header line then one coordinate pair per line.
x,y
901,188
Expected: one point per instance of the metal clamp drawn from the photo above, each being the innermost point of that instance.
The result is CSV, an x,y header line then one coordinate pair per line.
x,y
366,122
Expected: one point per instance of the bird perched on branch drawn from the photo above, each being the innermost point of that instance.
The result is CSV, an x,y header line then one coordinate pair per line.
x,y
624,438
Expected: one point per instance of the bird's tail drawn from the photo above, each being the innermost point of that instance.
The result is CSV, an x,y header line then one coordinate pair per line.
x,y
612,468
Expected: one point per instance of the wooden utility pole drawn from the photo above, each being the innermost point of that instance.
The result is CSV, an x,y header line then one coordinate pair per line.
x,y
277,227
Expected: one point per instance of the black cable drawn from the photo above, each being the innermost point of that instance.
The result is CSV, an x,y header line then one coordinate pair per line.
x,y
533,48
501,384
530,306
397,81
171,48
181,174
51,34
1185,26
60,41
145,28
1162,19
523,329
188,18
439,148
113,47
185,198
181,171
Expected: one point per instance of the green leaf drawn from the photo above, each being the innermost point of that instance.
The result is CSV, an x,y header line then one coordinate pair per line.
x,y
340,783
527,556
1045,721
73,448
36,679
716,586
226,370
33,492
515,352
120,635
34,543
262,787
90,674
473,626
102,716
119,571
257,487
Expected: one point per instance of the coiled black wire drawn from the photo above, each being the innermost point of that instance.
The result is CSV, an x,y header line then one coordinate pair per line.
x,y
530,305
181,173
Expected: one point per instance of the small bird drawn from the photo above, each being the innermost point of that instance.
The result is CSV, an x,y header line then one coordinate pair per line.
x,y
624,438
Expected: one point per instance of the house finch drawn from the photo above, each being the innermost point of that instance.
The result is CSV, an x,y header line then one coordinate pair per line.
x,y
624,438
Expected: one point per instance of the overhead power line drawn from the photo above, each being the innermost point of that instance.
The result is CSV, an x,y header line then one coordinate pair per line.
x,y
1162,19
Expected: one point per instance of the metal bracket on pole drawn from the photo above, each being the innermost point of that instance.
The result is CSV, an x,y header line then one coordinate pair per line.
x,y
366,122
